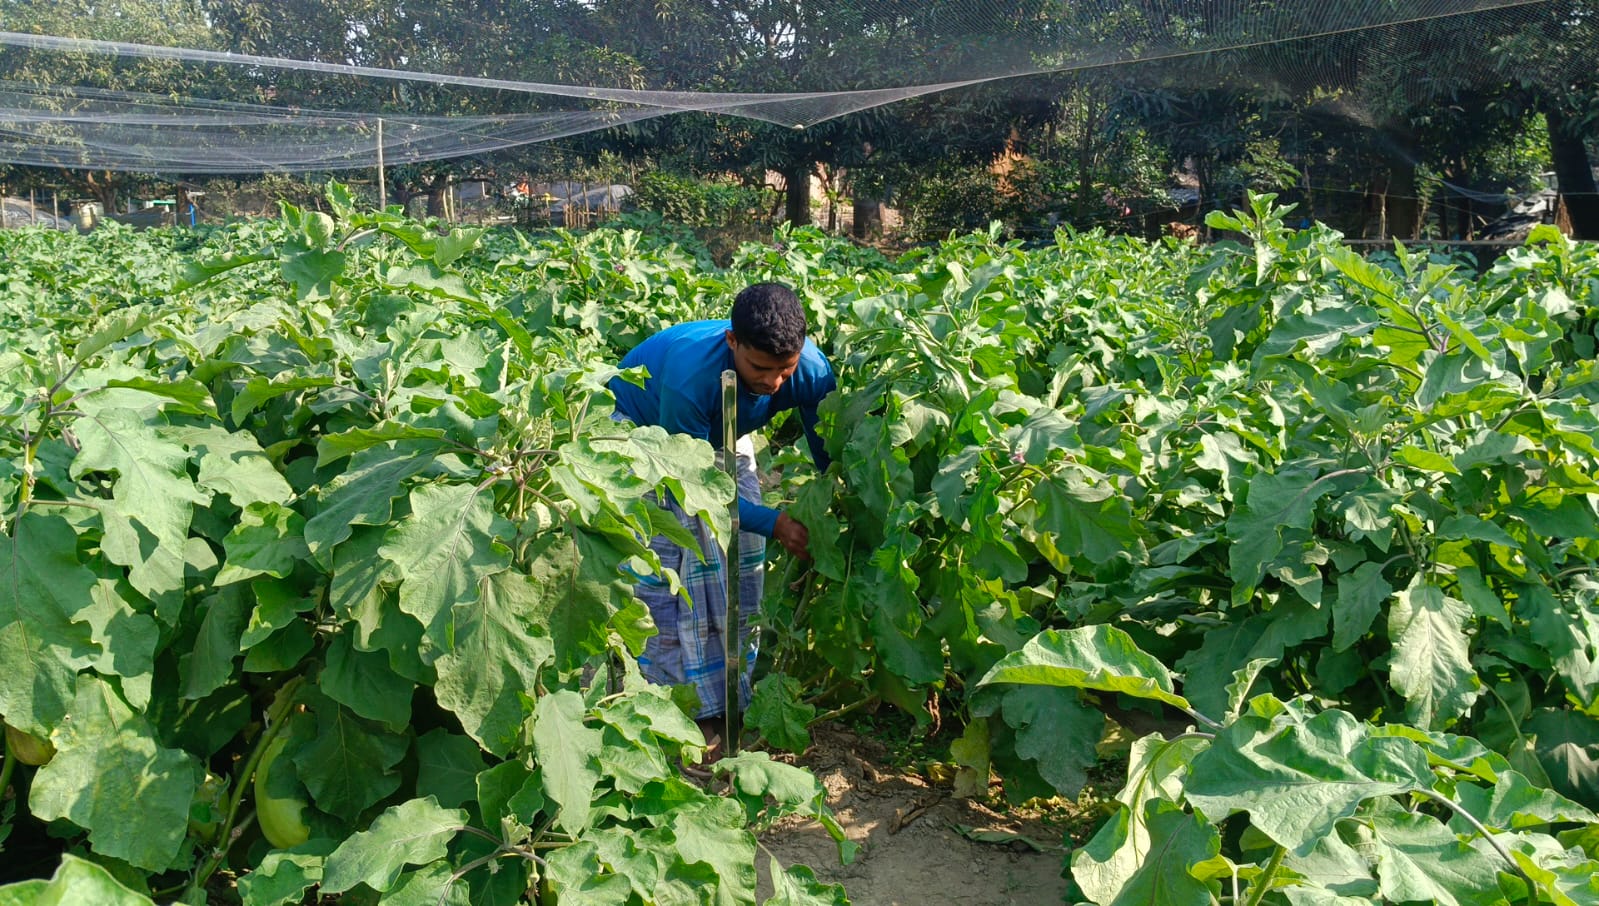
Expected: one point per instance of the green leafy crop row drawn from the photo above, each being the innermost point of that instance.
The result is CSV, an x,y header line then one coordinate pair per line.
x,y
343,491
1363,489
309,534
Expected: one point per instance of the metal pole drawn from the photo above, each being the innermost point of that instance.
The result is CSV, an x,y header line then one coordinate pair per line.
x,y
733,654
383,187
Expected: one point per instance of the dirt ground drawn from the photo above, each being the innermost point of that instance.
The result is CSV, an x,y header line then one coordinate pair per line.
x,y
919,844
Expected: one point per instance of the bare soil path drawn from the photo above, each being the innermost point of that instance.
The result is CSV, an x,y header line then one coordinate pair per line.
x,y
919,845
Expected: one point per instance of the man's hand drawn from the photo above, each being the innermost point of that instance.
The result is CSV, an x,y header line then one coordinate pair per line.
x,y
792,534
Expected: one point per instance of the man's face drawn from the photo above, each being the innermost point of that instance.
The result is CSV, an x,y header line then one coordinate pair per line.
x,y
761,372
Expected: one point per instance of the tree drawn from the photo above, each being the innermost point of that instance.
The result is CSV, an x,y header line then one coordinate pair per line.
x,y
179,23
530,40
828,46
1547,66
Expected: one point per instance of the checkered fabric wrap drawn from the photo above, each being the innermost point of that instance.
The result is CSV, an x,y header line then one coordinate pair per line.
x,y
688,647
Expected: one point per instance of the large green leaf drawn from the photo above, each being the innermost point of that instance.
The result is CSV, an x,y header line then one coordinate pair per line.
x,y
1515,803
413,833
435,884
771,790
576,875
509,791
363,494
1224,650
779,714
581,591
43,594
565,752
685,466
1296,778
364,682
112,328
268,539
260,389
350,764
729,850
1361,594
359,578
1570,634
77,882
146,520
894,614
797,886
311,271
1276,501
128,641
210,665
1567,744
284,875
1055,730
447,765
1099,658
334,447
1431,665
278,605
1334,867
1418,859
1120,868
107,757
492,667
444,550
232,463
1091,521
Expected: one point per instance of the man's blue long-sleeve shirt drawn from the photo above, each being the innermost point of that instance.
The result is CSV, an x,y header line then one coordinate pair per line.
x,y
683,394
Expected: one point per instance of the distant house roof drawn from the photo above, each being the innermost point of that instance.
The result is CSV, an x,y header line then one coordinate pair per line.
x,y
18,212
1537,208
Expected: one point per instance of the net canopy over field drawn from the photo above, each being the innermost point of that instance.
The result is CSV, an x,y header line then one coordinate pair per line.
x,y
241,86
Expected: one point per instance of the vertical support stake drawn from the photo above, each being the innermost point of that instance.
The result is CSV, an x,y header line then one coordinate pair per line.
x,y
733,652
383,186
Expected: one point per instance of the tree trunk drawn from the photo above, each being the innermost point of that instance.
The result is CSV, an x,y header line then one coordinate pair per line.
x,y
797,198
1403,208
401,194
103,186
1573,175
1085,155
868,218
435,190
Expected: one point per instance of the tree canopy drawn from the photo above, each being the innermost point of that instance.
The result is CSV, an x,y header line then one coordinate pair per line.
x,y
1274,95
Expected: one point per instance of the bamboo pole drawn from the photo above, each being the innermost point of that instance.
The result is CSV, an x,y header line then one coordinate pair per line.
x,y
383,187
733,654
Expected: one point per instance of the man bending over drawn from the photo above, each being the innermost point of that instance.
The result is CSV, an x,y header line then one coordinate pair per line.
x,y
778,369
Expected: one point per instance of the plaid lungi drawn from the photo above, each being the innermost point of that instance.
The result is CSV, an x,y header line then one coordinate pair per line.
x,y
688,647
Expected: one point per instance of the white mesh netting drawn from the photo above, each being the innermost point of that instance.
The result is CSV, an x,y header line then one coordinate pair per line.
x,y
443,78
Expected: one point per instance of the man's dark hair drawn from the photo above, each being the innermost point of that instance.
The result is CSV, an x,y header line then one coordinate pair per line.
x,y
769,317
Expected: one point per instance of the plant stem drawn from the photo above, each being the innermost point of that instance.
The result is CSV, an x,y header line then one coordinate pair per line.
x,y
1258,890
276,719
1480,828
840,712
1202,720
